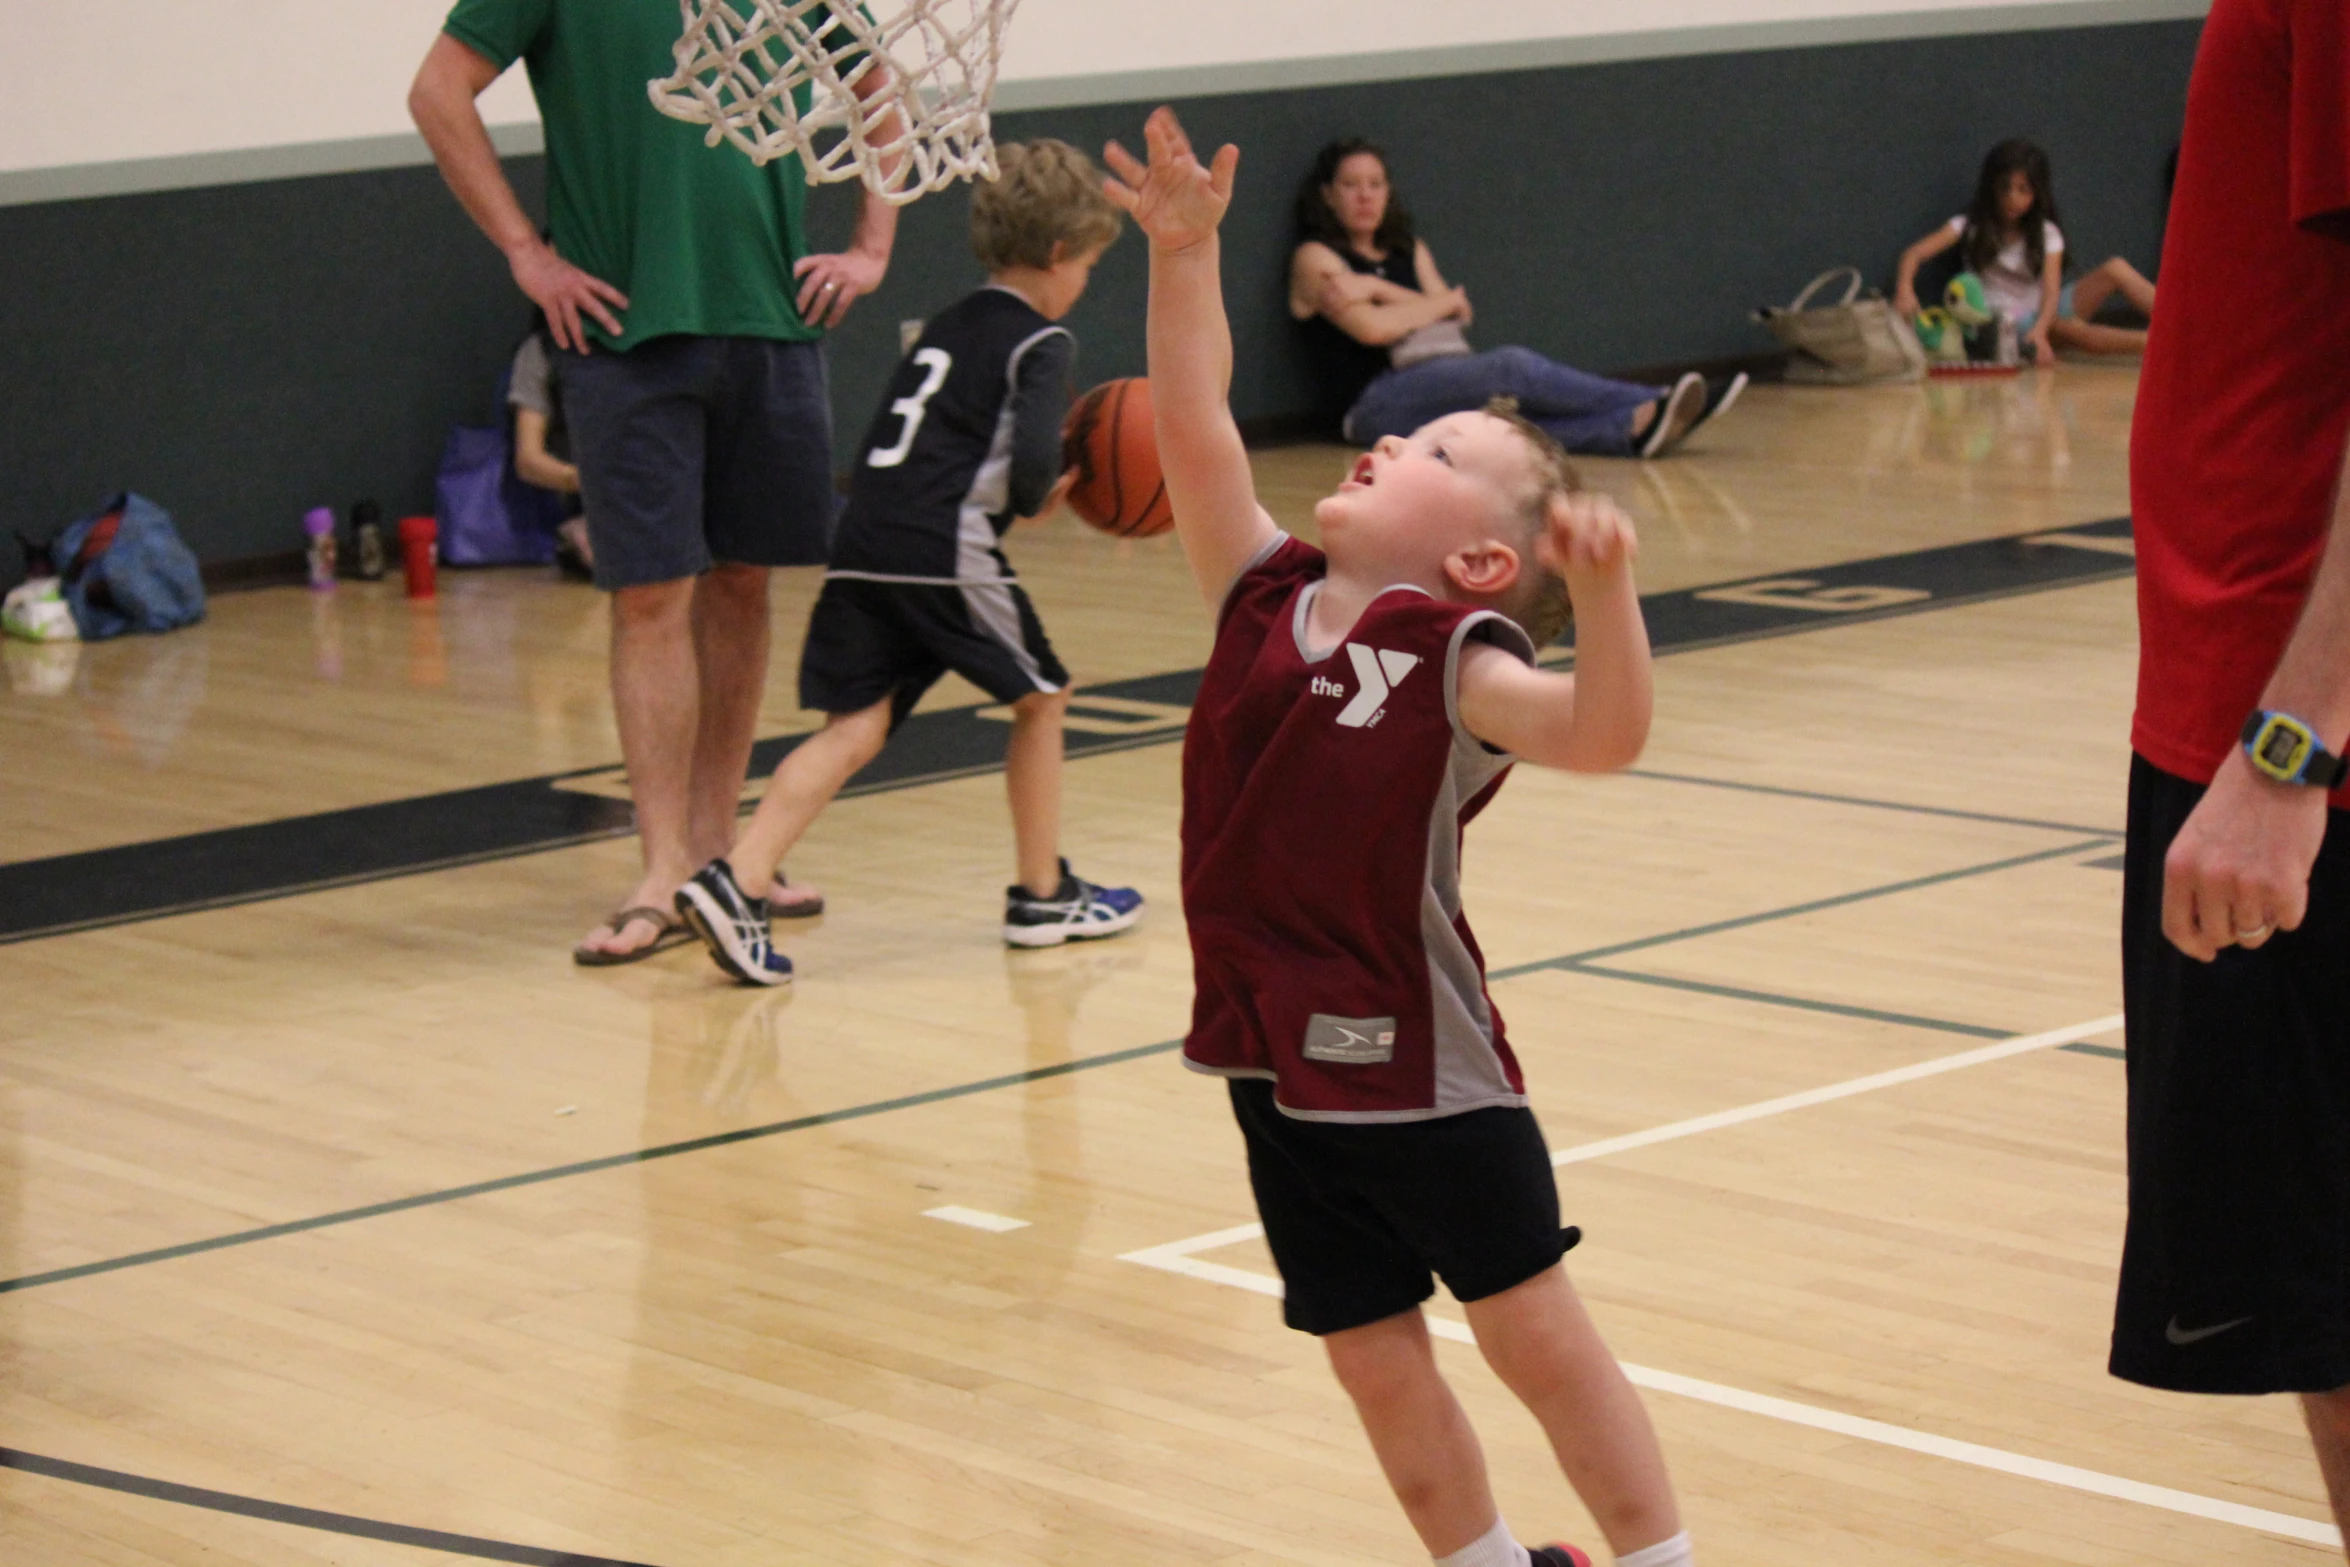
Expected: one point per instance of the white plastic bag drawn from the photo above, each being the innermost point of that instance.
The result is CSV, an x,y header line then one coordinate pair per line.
x,y
36,610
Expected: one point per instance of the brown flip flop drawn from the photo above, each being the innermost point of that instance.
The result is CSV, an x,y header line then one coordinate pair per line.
x,y
792,900
672,929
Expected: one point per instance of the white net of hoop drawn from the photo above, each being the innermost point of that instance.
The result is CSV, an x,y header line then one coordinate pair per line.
x,y
893,92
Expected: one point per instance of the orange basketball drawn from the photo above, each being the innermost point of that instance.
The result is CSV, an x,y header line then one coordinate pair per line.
x,y
1107,442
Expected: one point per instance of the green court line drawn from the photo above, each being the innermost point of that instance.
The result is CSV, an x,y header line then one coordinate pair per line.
x,y
1815,906
1575,962
1949,812
1774,999
2107,1051
585,1167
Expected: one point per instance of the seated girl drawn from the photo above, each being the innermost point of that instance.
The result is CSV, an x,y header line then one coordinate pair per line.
x,y
1389,338
542,444
2008,238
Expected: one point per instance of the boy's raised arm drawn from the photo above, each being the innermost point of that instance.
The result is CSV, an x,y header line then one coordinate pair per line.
x,y
1596,719
1177,202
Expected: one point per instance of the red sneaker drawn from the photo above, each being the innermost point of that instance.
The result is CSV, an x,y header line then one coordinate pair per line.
x,y
1559,1554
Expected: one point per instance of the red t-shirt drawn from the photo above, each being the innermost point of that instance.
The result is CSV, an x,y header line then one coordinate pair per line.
x,y
2245,398
1323,801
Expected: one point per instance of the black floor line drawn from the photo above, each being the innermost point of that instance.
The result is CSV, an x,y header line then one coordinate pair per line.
x,y
127,883
300,1517
2110,1052
1574,962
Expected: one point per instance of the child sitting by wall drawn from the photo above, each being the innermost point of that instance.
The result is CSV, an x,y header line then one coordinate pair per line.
x,y
2008,237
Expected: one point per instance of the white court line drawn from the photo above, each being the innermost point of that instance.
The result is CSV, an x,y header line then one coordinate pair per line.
x,y
1845,1090
1177,1257
1180,1251
975,1218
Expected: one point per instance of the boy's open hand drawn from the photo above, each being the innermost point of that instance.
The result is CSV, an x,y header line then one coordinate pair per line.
x,y
1175,199
1588,537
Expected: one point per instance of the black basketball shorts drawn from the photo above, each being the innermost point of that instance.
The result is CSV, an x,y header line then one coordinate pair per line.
x,y
2236,1267
1360,1215
871,640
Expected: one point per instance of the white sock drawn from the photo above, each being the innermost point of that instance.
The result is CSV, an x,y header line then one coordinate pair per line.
x,y
1496,1547
1674,1552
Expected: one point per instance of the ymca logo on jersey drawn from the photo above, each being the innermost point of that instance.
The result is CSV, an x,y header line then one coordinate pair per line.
x,y
1378,671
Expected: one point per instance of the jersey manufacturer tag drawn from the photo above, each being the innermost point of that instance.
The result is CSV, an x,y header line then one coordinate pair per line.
x,y
1354,1041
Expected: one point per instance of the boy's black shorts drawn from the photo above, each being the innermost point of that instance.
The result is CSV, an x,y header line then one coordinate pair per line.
x,y
1360,1214
2236,1270
868,640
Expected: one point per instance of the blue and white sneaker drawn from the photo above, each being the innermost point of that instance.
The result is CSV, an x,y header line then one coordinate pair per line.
x,y
733,925
1077,911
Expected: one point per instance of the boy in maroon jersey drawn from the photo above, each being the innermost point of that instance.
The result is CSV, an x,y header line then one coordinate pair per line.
x,y
1362,703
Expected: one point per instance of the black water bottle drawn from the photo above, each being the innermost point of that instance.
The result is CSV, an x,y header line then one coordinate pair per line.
x,y
367,540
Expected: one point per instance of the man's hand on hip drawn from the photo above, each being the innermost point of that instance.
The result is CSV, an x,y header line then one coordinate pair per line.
x,y
830,283
2239,869
565,293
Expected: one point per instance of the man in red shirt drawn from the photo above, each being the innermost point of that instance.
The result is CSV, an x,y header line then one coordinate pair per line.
x,y
2236,909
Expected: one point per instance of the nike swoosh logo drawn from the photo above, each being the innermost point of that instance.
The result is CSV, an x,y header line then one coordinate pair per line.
x,y
2184,1336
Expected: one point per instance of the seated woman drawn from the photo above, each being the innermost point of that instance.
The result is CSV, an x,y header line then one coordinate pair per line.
x,y
1389,338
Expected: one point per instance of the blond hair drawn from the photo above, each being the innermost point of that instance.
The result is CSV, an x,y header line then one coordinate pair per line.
x,y
1047,193
1538,603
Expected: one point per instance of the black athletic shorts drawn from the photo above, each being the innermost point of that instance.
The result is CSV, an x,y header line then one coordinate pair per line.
x,y
869,640
2236,1269
1359,1215
699,450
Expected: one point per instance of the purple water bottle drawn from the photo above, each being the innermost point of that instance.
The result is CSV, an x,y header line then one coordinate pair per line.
x,y
319,524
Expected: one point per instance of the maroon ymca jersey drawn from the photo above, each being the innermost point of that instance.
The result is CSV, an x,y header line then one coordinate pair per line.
x,y
2245,397
1323,801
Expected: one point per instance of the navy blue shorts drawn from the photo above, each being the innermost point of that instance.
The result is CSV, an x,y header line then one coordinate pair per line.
x,y
2236,1264
698,450
1363,1217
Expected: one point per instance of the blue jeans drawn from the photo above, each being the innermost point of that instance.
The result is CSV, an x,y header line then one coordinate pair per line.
x,y
1586,413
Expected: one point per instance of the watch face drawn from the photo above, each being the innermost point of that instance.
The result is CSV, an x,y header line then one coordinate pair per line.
x,y
2283,747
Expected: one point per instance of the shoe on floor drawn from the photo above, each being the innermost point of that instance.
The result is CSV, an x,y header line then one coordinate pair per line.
x,y
1077,911
1558,1555
733,925
1720,393
1676,416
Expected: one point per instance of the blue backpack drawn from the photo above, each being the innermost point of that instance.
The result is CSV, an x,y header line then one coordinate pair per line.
x,y
146,579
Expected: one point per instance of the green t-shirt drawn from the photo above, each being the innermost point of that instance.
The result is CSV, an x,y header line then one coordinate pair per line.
x,y
699,238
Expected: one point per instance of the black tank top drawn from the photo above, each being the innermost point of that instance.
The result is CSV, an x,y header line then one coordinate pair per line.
x,y
1338,366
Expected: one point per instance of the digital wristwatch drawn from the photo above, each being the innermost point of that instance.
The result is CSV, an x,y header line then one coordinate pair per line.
x,y
2282,747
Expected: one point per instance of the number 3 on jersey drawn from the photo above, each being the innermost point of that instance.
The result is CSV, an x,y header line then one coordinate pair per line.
x,y
936,362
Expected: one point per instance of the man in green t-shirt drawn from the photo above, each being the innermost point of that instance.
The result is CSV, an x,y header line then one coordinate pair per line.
x,y
690,316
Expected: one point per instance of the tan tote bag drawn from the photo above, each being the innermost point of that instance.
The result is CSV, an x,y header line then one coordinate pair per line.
x,y
1853,341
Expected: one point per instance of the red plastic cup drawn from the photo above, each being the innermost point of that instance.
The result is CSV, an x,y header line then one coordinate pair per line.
x,y
419,554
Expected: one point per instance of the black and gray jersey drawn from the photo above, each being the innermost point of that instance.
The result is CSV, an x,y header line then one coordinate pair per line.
x,y
968,438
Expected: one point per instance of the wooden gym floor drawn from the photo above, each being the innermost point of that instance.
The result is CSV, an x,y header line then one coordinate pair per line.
x,y
363,1201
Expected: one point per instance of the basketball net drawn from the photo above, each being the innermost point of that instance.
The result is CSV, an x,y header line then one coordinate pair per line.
x,y
893,92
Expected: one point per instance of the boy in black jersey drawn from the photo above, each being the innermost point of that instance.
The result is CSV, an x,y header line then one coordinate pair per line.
x,y
967,440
